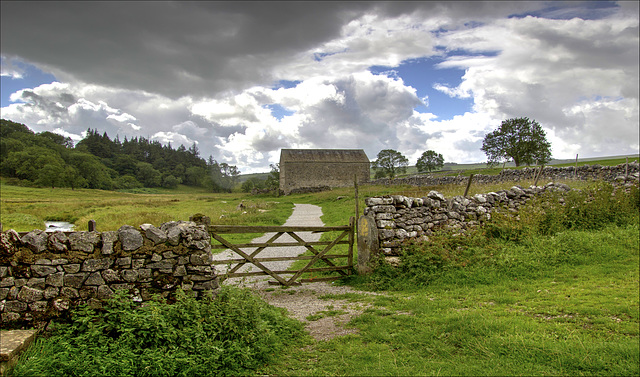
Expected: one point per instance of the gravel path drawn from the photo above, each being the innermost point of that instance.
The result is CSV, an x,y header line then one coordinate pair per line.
x,y
304,300
303,215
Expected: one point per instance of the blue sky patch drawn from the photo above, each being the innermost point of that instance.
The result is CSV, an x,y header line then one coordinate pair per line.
x,y
278,111
31,77
422,75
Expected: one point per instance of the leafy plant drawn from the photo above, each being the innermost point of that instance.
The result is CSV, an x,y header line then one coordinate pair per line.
x,y
231,334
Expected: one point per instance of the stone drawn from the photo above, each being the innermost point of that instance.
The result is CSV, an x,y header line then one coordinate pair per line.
x,y
137,263
144,273
72,268
91,265
211,284
8,282
111,276
39,306
156,235
124,261
108,240
104,292
436,195
94,279
129,275
75,280
156,257
386,224
37,283
56,280
83,241
36,240
10,317
4,292
61,304
50,292
130,238
58,242
164,264
15,306
40,270
9,241
201,259
60,261
29,294
378,201
180,271
87,292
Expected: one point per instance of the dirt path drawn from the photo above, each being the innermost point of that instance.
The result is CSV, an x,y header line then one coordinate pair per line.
x,y
324,318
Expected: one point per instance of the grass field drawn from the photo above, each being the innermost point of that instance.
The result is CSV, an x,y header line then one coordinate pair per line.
x,y
561,298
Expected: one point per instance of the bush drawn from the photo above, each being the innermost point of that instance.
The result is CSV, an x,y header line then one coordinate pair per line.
x,y
230,335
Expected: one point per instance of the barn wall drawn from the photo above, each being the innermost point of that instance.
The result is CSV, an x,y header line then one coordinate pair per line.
x,y
314,174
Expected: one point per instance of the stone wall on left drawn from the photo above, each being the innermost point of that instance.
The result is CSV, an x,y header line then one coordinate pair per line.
x,y
44,275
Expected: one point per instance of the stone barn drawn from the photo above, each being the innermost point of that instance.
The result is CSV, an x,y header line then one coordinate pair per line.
x,y
316,168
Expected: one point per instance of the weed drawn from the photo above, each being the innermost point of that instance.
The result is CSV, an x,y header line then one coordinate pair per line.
x,y
230,335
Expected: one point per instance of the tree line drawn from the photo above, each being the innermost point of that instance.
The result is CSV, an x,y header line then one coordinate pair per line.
x,y
97,162
519,139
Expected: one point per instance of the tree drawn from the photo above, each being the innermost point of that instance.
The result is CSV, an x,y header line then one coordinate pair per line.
x,y
273,180
520,139
390,163
429,161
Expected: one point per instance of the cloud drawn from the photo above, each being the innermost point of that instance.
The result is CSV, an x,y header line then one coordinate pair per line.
x,y
576,77
208,73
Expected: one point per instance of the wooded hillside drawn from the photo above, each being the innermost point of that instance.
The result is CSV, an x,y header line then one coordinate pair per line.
x,y
49,159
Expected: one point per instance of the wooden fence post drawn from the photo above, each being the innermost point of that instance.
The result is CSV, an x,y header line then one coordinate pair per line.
x,y
468,185
92,225
368,246
538,176
575,173
626,171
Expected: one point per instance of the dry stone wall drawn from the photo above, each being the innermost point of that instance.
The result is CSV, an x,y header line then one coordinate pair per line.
x,y
44,275
399,218
586,173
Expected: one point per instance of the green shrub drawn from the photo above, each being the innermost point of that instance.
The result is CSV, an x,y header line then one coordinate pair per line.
x,y
230,335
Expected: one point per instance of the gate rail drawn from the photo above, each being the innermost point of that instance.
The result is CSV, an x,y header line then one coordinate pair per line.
x,y
252,257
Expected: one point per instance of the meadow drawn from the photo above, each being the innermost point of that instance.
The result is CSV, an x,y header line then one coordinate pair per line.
x,y
554,292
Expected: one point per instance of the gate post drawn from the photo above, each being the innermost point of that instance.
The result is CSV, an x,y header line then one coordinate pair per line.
x,y
368,246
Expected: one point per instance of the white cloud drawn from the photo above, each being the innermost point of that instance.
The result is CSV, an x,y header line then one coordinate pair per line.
x,y
202,73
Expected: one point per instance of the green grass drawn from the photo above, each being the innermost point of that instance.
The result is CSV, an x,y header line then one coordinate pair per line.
x,y
572,313
554,293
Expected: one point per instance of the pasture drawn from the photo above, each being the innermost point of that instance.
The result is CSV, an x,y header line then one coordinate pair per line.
x,y
557,303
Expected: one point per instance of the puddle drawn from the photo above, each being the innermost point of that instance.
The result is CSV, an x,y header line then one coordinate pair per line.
x,y
63,226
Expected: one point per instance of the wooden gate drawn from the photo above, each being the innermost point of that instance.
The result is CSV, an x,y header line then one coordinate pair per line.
x,y
253,257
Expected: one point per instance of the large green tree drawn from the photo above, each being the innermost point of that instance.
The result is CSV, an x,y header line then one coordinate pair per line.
x,y
430,160
519,139
390,163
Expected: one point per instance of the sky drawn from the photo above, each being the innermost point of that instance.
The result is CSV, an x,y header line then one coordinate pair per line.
x,y
243,79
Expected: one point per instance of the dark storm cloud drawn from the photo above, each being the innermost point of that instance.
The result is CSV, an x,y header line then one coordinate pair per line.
x,y
189,48
171,48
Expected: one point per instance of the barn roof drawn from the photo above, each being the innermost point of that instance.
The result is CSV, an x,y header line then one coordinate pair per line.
x,y
323,155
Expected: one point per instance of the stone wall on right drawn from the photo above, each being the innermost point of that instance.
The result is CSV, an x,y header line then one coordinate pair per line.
x,y
399,218
585,173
